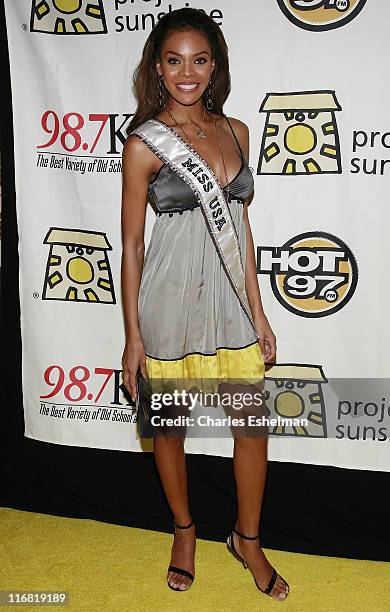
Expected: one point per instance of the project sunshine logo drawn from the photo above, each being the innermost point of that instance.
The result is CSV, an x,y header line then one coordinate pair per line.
x,y
68,17
320,15
78,268
296,391
300,134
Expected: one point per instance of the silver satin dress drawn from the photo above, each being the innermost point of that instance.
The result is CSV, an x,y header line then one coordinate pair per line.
x,y
191,321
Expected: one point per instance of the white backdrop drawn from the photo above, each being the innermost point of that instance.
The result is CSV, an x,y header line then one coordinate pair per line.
x,y
308,77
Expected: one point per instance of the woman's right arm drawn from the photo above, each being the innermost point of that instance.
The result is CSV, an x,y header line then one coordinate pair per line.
x,y
137,165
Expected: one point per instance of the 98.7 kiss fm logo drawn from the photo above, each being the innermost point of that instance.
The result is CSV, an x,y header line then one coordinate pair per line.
x,y
81,144
100,388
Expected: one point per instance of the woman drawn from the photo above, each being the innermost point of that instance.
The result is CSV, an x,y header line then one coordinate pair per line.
x,y
186,314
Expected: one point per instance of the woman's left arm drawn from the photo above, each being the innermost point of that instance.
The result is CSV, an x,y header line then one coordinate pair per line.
x,y
267,338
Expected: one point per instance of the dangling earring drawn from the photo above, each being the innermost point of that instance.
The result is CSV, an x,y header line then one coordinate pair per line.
x,y
210,95
160,91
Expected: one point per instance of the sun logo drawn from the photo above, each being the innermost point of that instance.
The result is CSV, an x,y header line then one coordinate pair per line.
x,y
319,15
300,134
77,268
68,17
294,393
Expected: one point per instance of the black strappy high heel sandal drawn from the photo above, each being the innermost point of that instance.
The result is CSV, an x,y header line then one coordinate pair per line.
x,y
179,570
232,548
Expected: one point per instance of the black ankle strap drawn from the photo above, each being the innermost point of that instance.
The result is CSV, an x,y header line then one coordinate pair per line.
x,y
183,526
244,536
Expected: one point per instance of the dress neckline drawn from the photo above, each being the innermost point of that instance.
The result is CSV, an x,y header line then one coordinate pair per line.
x,y
170,128
165,165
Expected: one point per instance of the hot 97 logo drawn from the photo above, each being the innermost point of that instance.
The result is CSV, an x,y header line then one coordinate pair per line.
x,y
321,15
312,275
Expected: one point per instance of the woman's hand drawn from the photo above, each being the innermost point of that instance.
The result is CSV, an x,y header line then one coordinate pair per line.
x,y
133,356
267,340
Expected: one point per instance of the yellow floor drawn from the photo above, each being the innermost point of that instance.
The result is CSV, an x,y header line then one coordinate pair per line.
x,y
109,567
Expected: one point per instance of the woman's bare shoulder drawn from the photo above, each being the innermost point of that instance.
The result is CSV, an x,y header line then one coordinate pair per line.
x,y
137,154
134,144
239,126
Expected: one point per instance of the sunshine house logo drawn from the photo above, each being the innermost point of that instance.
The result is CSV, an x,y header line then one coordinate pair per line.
x,y
295,391
78,269
68,17
312,275
300,134
319,15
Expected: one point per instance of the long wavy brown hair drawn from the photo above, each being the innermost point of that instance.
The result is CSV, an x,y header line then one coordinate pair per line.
x,y
145,76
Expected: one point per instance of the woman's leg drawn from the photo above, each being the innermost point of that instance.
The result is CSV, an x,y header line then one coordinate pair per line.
x,y
250,469
170,460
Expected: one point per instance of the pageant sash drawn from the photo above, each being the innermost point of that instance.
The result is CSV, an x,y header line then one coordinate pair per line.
x,y
184,160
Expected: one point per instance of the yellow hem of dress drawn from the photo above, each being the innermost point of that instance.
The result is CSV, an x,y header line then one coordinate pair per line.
x,y
241,365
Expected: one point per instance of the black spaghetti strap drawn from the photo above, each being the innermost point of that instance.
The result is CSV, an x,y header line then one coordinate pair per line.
x,y
235,137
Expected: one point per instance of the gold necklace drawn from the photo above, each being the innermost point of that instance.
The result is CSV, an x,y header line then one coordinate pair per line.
x,y
201,133
180,125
